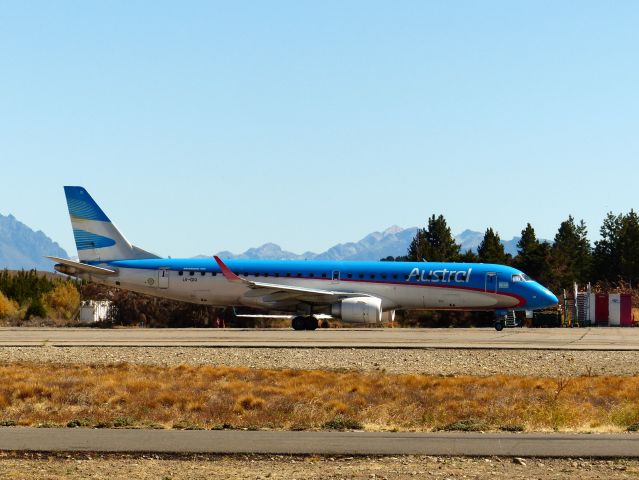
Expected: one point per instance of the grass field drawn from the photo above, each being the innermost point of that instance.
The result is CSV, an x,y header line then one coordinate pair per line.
x,y
125,395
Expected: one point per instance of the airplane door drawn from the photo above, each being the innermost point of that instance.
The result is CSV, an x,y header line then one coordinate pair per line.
x,y
163,278
491,282
335,277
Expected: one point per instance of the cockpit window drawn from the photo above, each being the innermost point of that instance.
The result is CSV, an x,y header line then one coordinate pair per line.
x,y
521,277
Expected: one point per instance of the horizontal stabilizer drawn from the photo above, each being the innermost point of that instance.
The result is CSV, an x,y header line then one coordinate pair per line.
x,y
70,266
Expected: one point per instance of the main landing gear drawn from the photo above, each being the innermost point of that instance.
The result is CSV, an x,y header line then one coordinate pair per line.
x,y
305,323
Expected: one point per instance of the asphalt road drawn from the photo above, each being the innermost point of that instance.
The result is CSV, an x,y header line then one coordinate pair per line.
x,y
463,338
325,443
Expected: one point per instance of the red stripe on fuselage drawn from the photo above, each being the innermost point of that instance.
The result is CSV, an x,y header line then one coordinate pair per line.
x,y
521,300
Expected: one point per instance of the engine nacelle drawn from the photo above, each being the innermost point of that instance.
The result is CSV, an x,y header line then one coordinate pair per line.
x,y
358,310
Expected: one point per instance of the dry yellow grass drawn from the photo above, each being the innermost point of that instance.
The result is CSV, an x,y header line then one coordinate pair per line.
x,y
210,397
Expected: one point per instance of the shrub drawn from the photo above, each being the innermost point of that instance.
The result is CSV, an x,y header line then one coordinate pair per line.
x,y
64,299
466,425
512,428
120,422
8,308
79,422
249,402
634,427
340,422
36,309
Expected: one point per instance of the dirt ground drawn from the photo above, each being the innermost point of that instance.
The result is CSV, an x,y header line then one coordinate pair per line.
x,y
43,466
543,363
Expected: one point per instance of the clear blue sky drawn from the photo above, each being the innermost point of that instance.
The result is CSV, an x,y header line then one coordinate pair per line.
x,y
203,126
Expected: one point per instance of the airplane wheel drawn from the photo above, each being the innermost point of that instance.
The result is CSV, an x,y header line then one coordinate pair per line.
x,y
499,326
310,323
298,323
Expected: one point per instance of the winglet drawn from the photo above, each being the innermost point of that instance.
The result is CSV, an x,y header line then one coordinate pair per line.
x,y
226,271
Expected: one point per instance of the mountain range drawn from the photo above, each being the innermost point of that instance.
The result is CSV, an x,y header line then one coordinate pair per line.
x,y
393,241
23,248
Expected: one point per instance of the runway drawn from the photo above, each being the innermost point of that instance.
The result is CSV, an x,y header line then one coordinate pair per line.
x,y
320,443
622,339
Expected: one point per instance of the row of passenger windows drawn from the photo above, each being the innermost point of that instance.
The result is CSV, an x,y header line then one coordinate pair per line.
x,y
383,276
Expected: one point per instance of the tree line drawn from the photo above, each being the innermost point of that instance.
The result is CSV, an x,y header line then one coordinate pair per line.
x,y
27,294
570,257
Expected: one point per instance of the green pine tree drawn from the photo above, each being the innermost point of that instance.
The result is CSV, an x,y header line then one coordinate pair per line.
x,y
532,255
468,256
606,254
571,254
629,248
434,244
491,250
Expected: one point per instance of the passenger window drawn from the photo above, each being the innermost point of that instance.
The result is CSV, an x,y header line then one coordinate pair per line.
x,y
311,275
394,277
372,275
405,277
180,273
349,275
203,273
191,273
323,275
299,274
288,274
266,274
277,274
257,274
213,274
383,276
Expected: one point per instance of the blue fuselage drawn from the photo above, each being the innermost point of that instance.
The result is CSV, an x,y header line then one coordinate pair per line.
x,y
428,285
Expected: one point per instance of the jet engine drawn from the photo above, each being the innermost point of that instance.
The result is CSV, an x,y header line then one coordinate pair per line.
x,y
358,310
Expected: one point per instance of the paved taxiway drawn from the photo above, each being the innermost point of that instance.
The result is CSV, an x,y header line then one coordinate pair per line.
x,y
325,443
448,338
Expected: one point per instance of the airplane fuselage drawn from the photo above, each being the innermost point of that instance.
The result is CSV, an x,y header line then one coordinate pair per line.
x,y
400,285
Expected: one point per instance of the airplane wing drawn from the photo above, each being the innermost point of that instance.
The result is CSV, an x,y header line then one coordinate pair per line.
x,y
272,292
78,267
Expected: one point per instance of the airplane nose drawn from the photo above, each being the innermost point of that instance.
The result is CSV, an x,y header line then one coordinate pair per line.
x,y
541,297
552,298
547,298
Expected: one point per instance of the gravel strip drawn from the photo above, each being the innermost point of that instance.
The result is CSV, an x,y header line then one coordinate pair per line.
x,y
547,363
283,467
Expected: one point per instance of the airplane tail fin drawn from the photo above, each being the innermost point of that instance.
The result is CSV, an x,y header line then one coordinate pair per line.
x,y
96,237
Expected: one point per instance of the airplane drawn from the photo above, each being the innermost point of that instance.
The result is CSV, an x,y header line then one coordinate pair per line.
x,y
354,292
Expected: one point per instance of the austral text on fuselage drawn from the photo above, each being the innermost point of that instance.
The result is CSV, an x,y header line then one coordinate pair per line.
x,y
440,276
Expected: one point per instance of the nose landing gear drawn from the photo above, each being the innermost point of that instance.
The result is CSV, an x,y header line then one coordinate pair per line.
x,y
500,320
305,323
